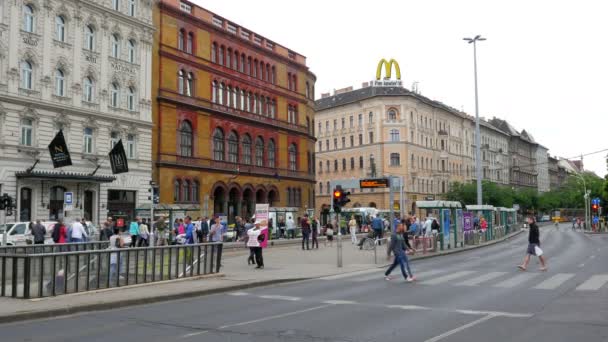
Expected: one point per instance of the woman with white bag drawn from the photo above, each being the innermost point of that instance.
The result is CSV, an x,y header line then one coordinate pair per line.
x,y
533,246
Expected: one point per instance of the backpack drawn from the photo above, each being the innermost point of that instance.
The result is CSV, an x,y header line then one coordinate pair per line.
x,y
56,232
435,225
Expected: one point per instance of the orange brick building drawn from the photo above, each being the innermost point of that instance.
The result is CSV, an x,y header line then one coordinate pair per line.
x,y
233,116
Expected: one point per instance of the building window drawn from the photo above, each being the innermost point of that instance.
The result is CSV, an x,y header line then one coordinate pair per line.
x,y
28,18
27,129
233,147
352,163
114,95
186,191
131,46
89,38
130,146
220,58
190,43
352,141
177,189
352,121
190,84
360,139
343,142
320,187
343,164
293,150
185,134
115,42
327,145
335,165
371,118
132,8
259,152
218,144
247,149
343,123
59,83
271,154
395,159
131,99
180,82
391,115
26,75
335,143
360,162
116,5
195,191
371,137
88,89
88,140
214,53
60,28
394,133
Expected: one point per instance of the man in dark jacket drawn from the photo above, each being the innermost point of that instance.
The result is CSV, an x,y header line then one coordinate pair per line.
x,y
533,246
39,232
306,230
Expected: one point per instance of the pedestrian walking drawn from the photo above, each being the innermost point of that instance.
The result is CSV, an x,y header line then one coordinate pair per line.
x,y
189,230
253,242
216,234
398,248
306,230
533,246
60,233
78,233
315,232
281,228
352,226
39,233
435,227
329,234
378,227
116,242
144,235
428,227
291,228
134,231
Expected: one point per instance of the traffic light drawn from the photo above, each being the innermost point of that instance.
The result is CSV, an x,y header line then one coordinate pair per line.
x,y
155,195
344,198
337,197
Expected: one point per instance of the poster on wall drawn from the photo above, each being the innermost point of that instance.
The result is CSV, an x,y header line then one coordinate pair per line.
x,y
446,226
459,220
262,215
467,225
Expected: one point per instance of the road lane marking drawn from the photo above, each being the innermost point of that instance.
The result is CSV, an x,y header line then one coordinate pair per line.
x,y
459,329
380,275
446,278
554,282
594,283
293,299
408,307
516,280
349,275
481,279
195,334
268,318
340,302
238,294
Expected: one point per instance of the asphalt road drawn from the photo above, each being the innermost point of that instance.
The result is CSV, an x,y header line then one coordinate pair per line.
x,y
473,296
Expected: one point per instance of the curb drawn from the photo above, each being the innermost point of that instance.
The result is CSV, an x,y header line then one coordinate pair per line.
x,y
205,292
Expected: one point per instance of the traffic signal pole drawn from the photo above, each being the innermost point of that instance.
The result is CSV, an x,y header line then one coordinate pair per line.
x,y
339,244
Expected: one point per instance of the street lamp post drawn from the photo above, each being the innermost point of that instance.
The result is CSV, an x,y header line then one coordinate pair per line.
x,y
477,133
585,197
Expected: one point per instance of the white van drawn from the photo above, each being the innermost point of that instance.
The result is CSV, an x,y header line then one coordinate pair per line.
x,y
18,232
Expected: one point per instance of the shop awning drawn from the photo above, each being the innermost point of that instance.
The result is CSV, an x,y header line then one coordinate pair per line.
x,y
62,175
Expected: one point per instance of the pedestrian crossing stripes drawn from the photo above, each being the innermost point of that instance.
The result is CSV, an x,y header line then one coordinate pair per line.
x,y
505,280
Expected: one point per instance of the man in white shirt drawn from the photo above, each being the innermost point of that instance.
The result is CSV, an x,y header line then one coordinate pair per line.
x,y
78,232
428,226
291,228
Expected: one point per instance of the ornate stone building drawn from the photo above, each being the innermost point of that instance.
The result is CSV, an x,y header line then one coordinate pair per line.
x,y
83,67
233,115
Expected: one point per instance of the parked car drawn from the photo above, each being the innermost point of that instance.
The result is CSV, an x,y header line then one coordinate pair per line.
x,y
545,218
18,233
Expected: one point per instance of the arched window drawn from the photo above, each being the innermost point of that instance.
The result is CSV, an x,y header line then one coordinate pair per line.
x,y
195,191
249,99
320,187
293,157
131,8
59,83
131,47
89,38
395,159
220,59
114,95
26,75
391,115
361,162
28,18
247,149
249,66
131,99
235,61
273,75
214,52
228,96
371,118
242,64
267,79
25,204
261,72
115,42
254,72
190,84
60,28
185,134
190,43
259,151
294,83
180,82
177,189
218,144
271,153
243,99
236,98
221,94
186,191
214,92
229,58
394,133
88,89
352,163
233,147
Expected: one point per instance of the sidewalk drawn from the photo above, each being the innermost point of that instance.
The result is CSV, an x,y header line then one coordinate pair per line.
x,y
282,264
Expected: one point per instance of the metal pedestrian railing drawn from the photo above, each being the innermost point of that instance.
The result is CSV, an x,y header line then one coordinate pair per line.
x,y
44,274
54,248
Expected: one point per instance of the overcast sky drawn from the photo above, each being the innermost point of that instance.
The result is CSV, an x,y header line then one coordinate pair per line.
x,y
544,67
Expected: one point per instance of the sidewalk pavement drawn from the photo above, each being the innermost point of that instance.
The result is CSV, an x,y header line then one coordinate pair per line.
x,y
282,264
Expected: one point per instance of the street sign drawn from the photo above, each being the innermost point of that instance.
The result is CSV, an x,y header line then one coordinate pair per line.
x,y
374,183
68,201
429,198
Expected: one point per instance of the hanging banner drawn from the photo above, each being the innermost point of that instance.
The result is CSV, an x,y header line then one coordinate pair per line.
x,y
59,151
118,159
262,215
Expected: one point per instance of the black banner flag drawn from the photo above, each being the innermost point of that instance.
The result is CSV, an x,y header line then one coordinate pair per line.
x,y
118,159
59,151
